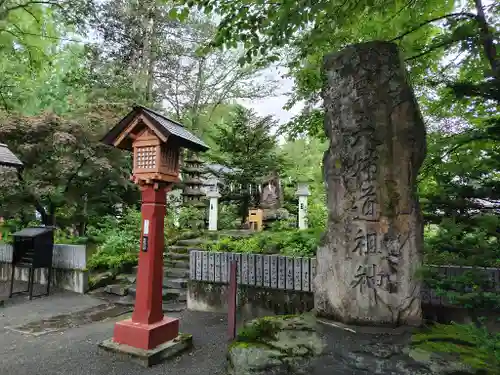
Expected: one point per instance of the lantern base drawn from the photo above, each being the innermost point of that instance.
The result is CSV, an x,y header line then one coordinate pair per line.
x,y
147,358
146,336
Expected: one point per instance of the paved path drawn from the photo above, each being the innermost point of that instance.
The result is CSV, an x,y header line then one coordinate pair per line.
x,y
75,351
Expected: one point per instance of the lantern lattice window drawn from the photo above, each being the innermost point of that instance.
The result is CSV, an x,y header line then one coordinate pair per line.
x,y
146,158
170,159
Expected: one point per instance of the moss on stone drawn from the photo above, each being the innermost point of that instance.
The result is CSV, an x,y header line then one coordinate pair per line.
x,y
456,341
258,331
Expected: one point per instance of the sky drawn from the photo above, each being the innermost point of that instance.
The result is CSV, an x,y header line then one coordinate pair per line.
x,y
274,105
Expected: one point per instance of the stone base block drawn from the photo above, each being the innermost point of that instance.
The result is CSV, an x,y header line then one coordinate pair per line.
x,y
146,336
147,358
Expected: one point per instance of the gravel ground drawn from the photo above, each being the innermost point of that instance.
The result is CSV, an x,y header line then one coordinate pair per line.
x,y
75,350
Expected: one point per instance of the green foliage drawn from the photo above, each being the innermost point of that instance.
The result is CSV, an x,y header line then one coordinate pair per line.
x,y
247,146
118,240
472,289
473,345
228,217
303,162
258,330
460,244
291,243
192,217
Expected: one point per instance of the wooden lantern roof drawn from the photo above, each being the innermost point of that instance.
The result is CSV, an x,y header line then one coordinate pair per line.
x,y
8,159
123,134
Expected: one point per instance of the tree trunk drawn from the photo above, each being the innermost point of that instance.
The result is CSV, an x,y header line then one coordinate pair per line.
x,y
487,38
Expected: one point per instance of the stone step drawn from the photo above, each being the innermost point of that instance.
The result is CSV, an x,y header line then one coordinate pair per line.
x,y
192,242
176,263
176,256
168,306
182,249
176,272
173,294
175,283
168,294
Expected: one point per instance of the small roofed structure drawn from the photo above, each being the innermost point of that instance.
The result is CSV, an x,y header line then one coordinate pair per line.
x,y
8,159
156,142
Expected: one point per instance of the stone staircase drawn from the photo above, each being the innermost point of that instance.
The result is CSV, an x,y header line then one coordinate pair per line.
x,y
176,270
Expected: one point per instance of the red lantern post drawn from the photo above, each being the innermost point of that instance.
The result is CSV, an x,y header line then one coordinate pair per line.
x,y
156,142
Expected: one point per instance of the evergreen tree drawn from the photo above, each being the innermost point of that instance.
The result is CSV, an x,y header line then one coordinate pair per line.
x,y
246,145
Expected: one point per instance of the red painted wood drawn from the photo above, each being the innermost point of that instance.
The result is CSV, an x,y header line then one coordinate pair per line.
x,y
148,300
146,336
233,287
148,327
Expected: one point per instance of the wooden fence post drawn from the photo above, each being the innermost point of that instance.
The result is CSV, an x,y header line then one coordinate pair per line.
x,y
233,289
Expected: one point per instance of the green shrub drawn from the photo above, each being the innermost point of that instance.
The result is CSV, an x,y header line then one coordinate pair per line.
x,y
192,217
118,252
118,242
228,217
459,244
474,345
290,242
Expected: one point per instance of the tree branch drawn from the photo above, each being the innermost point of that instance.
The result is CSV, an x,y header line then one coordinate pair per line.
x,y
73,176
450,15
27,4
487,38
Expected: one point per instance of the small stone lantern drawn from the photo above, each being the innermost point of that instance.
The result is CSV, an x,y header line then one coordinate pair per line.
x,y
302,192
213,195
156,143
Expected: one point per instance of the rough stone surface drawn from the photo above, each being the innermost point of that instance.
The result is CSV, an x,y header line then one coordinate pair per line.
x,y
276,345
372,247
100,280
118,289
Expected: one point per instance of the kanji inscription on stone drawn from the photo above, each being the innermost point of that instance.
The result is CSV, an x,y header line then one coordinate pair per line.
x,y
267,270
204,272
289,273
199,262
281,272
259,277
211,267
273,269
218,265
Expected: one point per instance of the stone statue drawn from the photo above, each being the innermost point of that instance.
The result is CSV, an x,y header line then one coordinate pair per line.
x,y
373,244
270,197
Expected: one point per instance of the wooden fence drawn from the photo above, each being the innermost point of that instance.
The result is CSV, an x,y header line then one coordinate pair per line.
x,y
288,273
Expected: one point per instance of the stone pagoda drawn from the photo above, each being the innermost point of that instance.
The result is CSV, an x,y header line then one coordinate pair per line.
x,y
192,193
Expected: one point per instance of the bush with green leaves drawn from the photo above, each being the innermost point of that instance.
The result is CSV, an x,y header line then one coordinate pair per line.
x,y
474,345
118,240
477,246
228,217
192,217
465,245
290,242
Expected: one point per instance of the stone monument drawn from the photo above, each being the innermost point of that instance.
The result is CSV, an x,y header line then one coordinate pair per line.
x,y
373,243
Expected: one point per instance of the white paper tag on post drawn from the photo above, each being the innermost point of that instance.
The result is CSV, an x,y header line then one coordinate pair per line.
x,y
146,227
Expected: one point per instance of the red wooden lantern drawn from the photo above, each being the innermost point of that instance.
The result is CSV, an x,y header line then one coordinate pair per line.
x,y
156,142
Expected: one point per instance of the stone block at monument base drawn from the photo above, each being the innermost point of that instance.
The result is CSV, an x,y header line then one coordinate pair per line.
x,y
147,358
